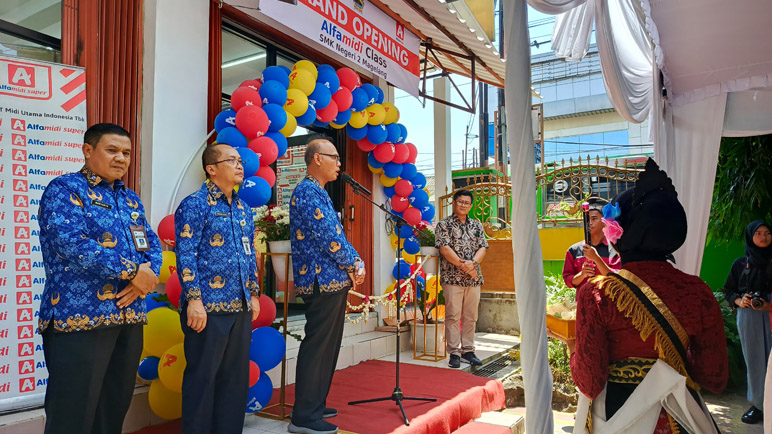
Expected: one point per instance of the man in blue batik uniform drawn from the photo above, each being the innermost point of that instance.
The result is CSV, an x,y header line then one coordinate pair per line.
x,y
325,267
218,271
101,259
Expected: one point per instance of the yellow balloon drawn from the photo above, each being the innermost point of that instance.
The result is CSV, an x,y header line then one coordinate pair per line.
x,y
375,114
388,182
433,287
307,65
336,126
164,403
358,119
393,241
410,259
290,126
303,80
171,366
392,113
162,331
168,265
374,170
297,102
389,288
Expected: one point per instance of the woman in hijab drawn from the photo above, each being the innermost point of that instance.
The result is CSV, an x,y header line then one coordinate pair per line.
x,y
648,336
748,288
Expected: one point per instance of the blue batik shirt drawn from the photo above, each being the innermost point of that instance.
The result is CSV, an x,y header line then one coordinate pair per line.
x,y
320,250
89,253
212,263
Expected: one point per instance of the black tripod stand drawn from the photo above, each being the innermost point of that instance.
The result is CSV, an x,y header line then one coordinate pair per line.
x,y
396,395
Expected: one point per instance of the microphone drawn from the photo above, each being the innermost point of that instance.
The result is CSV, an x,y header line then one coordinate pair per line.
x,y
357,186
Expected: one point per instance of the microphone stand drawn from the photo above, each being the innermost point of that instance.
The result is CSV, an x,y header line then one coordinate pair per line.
x,y
396,395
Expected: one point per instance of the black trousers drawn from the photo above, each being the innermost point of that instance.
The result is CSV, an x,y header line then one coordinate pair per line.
x,y
318,354
216,379
91,377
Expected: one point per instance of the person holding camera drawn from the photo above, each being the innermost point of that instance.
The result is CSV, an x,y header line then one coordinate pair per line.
x,y
748,288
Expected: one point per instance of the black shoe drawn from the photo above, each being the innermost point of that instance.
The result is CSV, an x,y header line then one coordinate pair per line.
x,y
315,427
455,361
329,412
471,359
753,415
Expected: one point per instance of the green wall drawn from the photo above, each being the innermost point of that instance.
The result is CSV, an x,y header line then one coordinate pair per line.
x,y
716,261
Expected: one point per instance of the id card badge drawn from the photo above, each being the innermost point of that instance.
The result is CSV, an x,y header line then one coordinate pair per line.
x,y
247,245
139,236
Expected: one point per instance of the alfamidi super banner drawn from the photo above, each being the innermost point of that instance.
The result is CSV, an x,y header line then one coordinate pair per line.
x,y
42,121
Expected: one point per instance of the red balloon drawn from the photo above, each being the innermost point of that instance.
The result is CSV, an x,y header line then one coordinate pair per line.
x,y
252,121
423,225
254,373
412,215
244,97
343,98
327,114
403,187
414,267
268,174
399,203
401,153
384,152
166,230
365,145
173,289
413,153
267,313
265,148
252,84
348,78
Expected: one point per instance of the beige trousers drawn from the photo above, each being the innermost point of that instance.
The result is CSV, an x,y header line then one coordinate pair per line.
x,y
461,304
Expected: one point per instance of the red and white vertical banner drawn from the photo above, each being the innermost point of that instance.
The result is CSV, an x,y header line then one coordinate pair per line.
x,y
356,30
42,121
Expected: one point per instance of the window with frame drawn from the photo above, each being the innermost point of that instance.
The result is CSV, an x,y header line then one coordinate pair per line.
x,y
31,29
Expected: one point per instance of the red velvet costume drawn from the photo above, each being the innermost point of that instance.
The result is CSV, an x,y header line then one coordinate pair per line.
x,y
604,335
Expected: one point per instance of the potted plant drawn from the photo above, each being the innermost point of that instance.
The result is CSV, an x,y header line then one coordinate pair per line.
x,y
429,252
273,223
429,325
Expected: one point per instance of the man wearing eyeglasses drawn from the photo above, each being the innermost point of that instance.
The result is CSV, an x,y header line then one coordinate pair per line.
x,y
218,272
462,245
325,266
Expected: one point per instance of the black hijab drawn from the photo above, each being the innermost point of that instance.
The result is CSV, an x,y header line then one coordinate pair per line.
x,y
756,254
653,220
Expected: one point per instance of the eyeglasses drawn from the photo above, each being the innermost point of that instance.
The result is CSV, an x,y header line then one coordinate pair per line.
x,y
335,156
230,161
463,202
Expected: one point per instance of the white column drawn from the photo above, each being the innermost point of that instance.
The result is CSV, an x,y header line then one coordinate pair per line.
x,y
174,102
442,152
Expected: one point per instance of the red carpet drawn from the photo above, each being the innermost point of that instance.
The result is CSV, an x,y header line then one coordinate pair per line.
x,y
461,397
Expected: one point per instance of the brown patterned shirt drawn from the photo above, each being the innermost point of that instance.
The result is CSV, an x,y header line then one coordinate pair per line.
x,y
465,239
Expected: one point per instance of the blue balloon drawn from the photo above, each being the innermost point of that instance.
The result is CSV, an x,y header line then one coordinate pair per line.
x,y
419,199
278,74
401,270
286,69
388,191
409,171
419,181
356,133
402,135
372,93
373,162
329,78
280,140
359,99
376,134
267,348
379,99
277,117
226,118
231,136
342,118
251,162
405,232
260,394
148,368
255,191
318,123
420,284
320,97
427,212
411,246
325,67
272,92
393,133
392,170
152,303
308,117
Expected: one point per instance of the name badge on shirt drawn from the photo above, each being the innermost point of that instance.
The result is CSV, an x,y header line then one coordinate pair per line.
x,y
247,245
139,236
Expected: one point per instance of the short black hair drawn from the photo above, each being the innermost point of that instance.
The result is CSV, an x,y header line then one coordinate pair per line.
x,y
95,132
210,156
460,193
312,147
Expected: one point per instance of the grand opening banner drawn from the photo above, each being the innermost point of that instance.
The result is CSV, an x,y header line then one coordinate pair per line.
x,y
358,31
42,121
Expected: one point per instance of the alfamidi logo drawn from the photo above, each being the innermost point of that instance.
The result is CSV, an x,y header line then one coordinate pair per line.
x,y
400,32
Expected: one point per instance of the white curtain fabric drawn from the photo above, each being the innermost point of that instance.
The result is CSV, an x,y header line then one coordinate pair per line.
x,y
748,113
528,266
571,34
554,7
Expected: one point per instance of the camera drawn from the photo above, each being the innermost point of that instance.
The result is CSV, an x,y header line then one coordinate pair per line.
x,y
757,300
